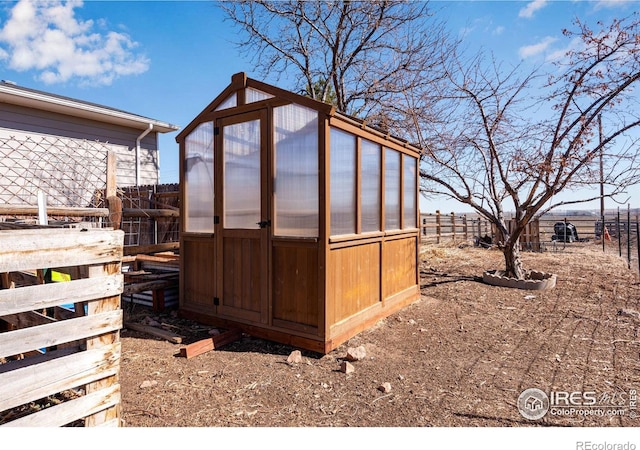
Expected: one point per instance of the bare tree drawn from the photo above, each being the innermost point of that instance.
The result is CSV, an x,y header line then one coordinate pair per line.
x,y
500,141
357,54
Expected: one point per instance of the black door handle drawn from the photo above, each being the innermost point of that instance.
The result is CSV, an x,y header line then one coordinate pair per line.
x,y
264,223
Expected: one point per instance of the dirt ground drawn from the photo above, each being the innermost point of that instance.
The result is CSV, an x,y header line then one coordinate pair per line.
x,y
459,356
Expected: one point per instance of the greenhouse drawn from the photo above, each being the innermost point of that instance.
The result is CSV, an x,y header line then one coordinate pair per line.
x,y
299,224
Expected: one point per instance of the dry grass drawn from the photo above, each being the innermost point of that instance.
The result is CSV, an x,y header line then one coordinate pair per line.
x,y
460,356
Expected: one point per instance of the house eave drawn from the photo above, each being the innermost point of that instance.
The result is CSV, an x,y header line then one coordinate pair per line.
x,y
29,98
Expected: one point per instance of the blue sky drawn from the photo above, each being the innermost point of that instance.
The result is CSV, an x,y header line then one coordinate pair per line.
x,y
168,59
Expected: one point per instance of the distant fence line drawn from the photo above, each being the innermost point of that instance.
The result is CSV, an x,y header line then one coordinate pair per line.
x,y
437,228
543,233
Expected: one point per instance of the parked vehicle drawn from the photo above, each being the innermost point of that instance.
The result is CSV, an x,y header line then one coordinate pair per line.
x,y
564,232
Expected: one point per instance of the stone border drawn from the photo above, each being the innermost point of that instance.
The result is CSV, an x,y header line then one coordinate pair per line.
x,y
535,281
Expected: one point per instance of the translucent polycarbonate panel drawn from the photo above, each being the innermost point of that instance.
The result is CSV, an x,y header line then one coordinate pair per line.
x,y
229,102
371,198
391,190
198,165
296,172
241,158
410,191
343,166
255,95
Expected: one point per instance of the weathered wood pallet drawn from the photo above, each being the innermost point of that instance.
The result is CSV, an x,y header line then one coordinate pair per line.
x,y
47,348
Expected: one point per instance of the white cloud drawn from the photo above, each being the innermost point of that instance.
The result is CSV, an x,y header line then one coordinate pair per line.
x,y
612,3
46,36
498,30
531,8
535,49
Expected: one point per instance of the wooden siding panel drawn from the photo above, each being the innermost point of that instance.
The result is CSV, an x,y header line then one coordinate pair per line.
x,y
354,279
295,284
399,265
242,273
198,275
32,121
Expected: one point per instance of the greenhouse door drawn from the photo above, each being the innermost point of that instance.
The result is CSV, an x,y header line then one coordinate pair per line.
x,y
243,240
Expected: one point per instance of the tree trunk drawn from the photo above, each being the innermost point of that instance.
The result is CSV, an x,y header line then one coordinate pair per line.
x,y
513,263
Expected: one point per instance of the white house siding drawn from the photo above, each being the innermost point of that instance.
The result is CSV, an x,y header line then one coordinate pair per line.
x,y
41,147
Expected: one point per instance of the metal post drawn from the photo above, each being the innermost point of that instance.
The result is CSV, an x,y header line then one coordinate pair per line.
x,y
628,236
638,243
601,168
602,233
619,234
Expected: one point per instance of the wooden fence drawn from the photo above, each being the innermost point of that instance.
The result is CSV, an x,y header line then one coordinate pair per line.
x,y
436,228
60,318
151,216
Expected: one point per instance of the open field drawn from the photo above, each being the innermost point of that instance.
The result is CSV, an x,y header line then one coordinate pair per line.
x,y
460,356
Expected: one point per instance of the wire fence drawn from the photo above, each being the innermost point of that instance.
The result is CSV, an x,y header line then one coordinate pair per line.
x,y
59,174
69,171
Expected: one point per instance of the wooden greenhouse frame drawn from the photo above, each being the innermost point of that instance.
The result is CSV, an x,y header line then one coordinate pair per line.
x,y
299,224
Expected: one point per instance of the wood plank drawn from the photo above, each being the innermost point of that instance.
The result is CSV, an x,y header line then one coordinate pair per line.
x,y
135,288
105,305
50,376
206,345
27,319
6,282
152,248
72,410
197,348
158,299
170,260
43,296
112,170
26,339
149,213
158,332
35,249
69,211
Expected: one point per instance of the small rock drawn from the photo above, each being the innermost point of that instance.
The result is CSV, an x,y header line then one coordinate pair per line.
x,y
423,330
412,322
150,322
385,387
356,353
147,384
214,332
295,357
347,367
529,297
629,313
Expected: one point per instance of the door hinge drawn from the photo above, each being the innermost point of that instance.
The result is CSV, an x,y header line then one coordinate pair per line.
x,y
216,220
216,131
216,301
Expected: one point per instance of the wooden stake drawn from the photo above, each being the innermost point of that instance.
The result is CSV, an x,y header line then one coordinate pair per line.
x,y
206,345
